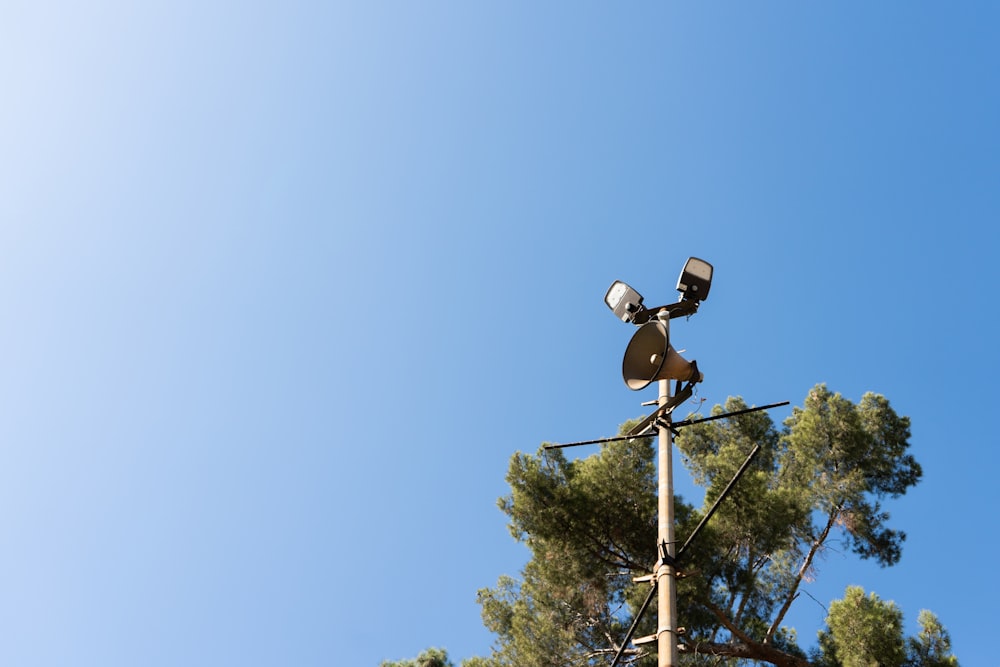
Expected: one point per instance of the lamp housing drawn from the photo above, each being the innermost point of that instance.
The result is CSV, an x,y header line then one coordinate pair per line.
x,y
624,301
695,280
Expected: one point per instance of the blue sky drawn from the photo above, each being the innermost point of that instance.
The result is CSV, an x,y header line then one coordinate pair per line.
x,y
285,286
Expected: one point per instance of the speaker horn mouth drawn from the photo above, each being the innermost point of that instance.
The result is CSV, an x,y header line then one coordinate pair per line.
x,y
645,354
650,357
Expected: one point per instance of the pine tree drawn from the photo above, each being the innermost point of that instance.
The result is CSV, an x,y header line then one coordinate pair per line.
x,y
590,524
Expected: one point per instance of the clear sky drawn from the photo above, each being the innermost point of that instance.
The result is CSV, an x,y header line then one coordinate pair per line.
x,y
285,285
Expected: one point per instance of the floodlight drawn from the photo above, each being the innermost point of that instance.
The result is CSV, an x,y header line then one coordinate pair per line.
x,y
624,301
695,280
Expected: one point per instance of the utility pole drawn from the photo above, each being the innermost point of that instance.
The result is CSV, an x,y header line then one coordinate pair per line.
x,y
666,581
650,358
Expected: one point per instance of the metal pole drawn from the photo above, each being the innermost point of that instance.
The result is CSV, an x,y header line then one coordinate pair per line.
x,y
666,582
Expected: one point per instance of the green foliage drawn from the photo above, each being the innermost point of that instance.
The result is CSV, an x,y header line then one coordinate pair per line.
x,y
868,632
480,662
590,525
932,646
852,458
432,657
863,632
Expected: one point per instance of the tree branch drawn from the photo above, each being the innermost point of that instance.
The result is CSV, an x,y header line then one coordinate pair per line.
x,y
752,651
746,648
728,623
793,592
747,589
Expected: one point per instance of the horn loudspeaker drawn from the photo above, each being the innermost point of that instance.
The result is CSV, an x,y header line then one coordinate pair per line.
x,y
650,357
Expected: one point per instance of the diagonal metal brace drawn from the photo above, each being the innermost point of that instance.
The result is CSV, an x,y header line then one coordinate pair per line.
x,y
718,501
635,624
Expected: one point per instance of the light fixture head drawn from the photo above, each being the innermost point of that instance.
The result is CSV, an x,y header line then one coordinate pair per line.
x,y
695,280
624,301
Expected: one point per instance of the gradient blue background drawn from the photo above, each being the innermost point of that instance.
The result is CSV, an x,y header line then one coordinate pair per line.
x,y
284,285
